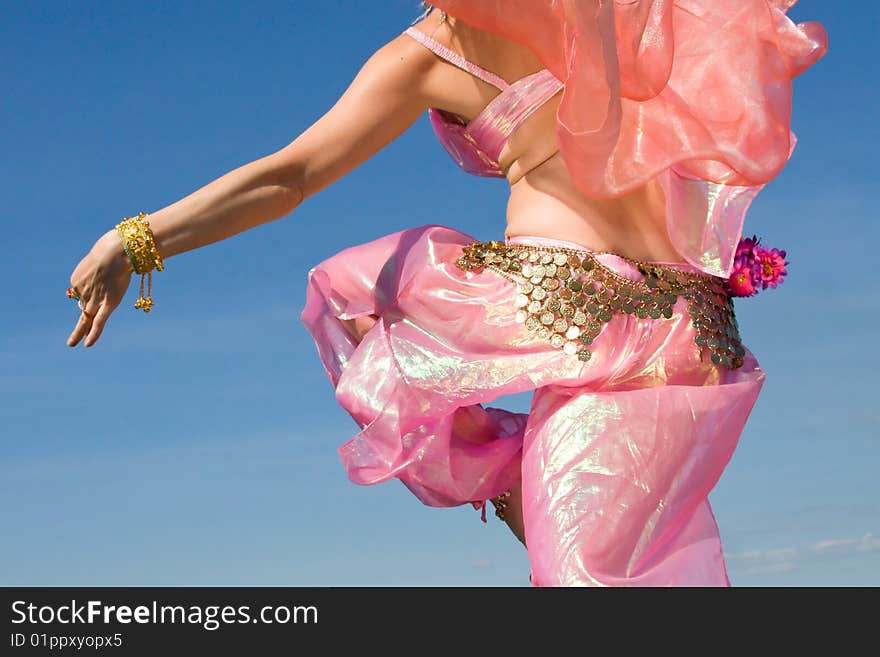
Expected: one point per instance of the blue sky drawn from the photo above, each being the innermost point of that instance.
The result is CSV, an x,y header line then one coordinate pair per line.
x,y
197,445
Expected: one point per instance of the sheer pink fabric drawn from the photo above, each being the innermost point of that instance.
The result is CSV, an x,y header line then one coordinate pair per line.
x,y
696,93
618,454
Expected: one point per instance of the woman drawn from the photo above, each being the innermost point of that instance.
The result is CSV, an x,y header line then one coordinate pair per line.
x,y
606,298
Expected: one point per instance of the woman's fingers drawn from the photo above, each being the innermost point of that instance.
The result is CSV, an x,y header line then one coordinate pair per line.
x,y
97,324
83,323
90,323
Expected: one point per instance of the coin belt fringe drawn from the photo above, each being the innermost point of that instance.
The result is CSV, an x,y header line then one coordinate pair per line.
x,y
565,295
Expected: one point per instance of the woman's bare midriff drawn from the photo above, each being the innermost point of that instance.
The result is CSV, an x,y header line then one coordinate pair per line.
x,y
545,203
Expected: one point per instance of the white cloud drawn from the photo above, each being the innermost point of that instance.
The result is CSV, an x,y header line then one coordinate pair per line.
x,y
780,560
770,568
867,543
832,544
762,562
777,554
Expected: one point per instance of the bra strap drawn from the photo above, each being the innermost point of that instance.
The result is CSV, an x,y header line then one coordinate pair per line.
x,y
454,58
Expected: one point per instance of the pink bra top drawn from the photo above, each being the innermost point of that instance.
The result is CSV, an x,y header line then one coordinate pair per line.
x,y
475,145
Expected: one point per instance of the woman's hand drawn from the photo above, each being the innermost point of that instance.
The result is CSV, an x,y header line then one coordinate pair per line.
x,y
101,278
355,128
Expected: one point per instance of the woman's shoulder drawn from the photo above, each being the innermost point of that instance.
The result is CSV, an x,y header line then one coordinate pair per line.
x,y
488,50
404,58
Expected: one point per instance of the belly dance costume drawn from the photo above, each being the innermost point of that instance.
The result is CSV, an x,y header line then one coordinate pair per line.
x,y
641,384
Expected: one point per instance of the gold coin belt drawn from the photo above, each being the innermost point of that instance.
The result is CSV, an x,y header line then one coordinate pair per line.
x,y
566,295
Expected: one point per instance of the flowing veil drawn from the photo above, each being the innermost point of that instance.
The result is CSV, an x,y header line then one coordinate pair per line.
x,y
696,94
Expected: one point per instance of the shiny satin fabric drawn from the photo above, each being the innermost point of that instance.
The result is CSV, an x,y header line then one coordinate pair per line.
x,y
694,93
475,146
617,455
491,129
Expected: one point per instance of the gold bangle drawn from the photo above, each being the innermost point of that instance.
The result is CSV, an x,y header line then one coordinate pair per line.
x,y
140,245
133,243
149,241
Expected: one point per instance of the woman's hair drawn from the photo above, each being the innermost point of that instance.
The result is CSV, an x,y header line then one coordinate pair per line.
x,y
427,8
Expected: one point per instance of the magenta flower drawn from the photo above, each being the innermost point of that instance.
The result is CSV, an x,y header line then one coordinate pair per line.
x,y
755,267
770,266
745,248
741,282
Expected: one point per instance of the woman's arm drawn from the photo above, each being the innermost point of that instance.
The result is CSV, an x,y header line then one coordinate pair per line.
x,y
383,100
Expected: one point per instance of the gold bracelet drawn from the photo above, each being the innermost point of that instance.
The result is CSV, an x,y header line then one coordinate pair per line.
x,y
130,236
140,246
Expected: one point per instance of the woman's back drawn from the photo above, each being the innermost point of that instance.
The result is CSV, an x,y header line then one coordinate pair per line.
x,y
544,200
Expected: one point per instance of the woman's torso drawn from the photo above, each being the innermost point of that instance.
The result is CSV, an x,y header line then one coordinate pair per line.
x,y
544,200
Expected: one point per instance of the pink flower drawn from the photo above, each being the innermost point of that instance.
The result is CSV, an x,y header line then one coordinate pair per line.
x,y
745,248
756,267
741,282
770,266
